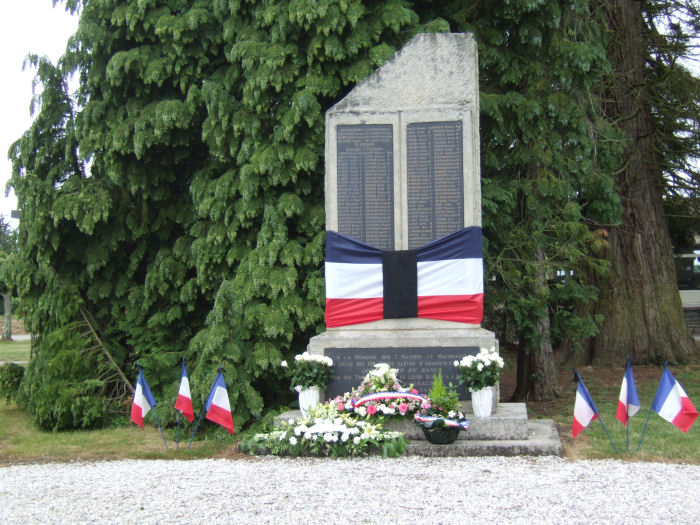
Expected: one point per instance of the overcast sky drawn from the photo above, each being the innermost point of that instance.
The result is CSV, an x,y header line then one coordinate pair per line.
x,y
26,26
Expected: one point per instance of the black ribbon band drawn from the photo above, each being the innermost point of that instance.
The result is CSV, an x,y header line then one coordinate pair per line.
x,y
400,273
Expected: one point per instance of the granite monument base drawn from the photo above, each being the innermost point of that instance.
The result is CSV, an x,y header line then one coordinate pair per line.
x,y
418,348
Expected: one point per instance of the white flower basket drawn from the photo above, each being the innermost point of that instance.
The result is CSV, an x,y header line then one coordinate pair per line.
x,y
482,401
309,397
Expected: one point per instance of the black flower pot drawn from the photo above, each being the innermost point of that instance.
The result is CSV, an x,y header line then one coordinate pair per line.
x,y
441,435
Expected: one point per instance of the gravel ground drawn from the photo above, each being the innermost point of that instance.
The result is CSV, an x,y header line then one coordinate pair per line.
x,y
407,490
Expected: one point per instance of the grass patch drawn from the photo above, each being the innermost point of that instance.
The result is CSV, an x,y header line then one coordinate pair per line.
x,y
22,442
14,350
662,441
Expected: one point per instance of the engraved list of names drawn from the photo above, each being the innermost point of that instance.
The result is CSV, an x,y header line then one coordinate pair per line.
x,y
435,185
366,183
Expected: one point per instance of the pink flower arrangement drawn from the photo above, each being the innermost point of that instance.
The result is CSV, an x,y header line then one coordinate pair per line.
x,y
381,379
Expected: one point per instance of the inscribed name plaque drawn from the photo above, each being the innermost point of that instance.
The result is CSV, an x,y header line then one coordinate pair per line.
x,y
366,183
435,185
416,366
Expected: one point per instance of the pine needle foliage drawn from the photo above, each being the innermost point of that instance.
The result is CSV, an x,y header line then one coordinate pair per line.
x,y
177,194
547,159
70,383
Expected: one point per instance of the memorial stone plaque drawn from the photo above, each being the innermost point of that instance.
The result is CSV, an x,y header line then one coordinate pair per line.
x,y
416,366
402,169
366,183
435,186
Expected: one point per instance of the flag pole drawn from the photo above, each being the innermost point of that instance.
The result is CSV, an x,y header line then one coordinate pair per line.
x,y
627,406
627,424
179,413
644,430
647,421
608,434
195,428
160,428
177,443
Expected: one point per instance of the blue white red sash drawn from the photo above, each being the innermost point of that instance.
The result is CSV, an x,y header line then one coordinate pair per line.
x,y
450,282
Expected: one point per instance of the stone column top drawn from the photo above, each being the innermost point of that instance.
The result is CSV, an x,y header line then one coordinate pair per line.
x,y
432,70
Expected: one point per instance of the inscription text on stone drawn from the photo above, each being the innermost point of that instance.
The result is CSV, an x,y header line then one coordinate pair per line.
x,y
416,366
366,183
435,185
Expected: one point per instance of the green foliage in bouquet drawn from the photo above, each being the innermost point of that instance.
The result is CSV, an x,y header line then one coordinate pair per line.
x,y
444,400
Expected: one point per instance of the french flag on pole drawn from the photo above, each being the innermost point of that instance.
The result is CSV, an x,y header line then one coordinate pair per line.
x,y
672,403
440,280
143,400
585,410
217,406
628,403
184,399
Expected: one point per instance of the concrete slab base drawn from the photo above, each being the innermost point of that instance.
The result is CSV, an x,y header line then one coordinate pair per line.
x,y
508,421
542,440
508,432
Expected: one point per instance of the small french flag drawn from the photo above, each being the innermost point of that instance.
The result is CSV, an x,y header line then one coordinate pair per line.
x,y
672,403
184,399
143,400
585,410
217,406
628,403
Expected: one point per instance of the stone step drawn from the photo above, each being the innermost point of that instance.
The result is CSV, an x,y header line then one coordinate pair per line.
x,y
507,422
542,440
507,432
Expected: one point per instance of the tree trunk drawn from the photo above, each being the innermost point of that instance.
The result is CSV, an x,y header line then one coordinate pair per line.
x,y
522,374
639,297
7,328
544,385
544,372
536,376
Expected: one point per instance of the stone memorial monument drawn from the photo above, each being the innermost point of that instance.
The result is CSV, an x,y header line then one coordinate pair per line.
x,y
402,171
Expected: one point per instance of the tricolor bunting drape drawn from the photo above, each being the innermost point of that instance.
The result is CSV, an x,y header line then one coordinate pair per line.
x,y
440,280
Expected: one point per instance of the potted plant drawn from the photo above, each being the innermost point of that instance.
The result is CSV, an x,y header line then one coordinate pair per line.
x,y
440,417
480,374
309,376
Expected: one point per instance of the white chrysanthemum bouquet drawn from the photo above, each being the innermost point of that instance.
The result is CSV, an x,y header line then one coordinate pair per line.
x,y
309,370
480,370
